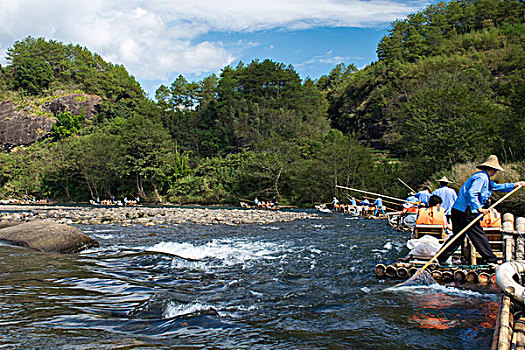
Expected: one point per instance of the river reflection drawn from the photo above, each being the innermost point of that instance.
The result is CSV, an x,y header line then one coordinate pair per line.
x,y
297,285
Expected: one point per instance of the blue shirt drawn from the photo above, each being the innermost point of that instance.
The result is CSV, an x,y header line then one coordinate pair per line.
x,y
476,190
352,201
448,195
379,202
411,201
423,196
365,202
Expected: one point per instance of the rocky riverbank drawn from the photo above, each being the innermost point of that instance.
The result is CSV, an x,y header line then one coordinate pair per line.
x,y
127,216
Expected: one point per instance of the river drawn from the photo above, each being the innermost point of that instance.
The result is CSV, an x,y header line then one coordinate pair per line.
x,y
306,284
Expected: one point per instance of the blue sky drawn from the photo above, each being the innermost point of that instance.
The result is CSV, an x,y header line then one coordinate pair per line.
x,y
156,40
313,52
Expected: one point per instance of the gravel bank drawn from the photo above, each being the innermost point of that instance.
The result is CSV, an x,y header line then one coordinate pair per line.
x,y
146,216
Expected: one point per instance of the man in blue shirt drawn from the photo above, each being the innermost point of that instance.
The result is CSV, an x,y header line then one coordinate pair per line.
x,y
411,201
447,194
472,197
424,195
364,206
379,206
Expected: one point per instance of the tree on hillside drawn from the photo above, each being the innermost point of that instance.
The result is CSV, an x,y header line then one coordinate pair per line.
x,y
513,147
43,61
32,75
448,117
145,152
337,77
421,33
262,98
67,124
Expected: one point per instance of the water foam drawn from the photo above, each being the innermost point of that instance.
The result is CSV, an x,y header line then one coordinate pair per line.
x,y
230,252
103,236
174,309
449,290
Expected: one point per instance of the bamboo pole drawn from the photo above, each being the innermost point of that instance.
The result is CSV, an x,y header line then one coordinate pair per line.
x,y
472,276
495,337
372,193
447,276
460,275
410,188
483,277
519,333
380,270
391,271
402,272
506,324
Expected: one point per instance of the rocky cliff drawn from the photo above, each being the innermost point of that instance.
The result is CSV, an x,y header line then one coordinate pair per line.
x,y
24,121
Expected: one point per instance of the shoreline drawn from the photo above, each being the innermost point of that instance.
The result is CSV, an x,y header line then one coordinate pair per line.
x,y
146,216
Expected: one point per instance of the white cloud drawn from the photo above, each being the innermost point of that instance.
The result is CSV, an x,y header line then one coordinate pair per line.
x,y
158,38
327,58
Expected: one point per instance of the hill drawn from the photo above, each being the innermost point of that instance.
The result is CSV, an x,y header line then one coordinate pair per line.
x,y
448,88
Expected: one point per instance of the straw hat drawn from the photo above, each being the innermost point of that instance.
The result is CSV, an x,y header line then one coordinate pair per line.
x,y
444,179
491,162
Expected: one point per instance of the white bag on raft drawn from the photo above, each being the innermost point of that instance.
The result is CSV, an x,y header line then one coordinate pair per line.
x,y
424,247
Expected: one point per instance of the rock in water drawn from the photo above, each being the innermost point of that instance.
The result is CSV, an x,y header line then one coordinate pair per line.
x,y
47,236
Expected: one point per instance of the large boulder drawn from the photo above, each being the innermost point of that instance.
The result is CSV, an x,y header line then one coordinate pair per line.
x,y
23,122
19,127
47,236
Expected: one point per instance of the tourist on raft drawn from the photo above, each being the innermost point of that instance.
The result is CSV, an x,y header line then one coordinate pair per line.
x,y
335,204
423,196
447,194
472,197
411,201
436,211
379,206
365,205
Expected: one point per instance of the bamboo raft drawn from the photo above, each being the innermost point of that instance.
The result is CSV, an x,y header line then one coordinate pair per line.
x,y
508,243
509,332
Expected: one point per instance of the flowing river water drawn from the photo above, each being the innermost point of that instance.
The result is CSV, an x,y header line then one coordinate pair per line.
x,y
306,284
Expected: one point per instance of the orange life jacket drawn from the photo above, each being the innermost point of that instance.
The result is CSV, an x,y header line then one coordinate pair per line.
x,y
431,216
492,219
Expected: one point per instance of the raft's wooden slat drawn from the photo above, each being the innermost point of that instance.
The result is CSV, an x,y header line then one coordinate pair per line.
x,y
508,248
495,337
503,340
518,337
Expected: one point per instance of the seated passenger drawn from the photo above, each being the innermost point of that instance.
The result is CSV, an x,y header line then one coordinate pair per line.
x,y
365,205
434,214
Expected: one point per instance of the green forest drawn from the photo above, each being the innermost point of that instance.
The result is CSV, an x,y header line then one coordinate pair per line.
x,y
447,90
